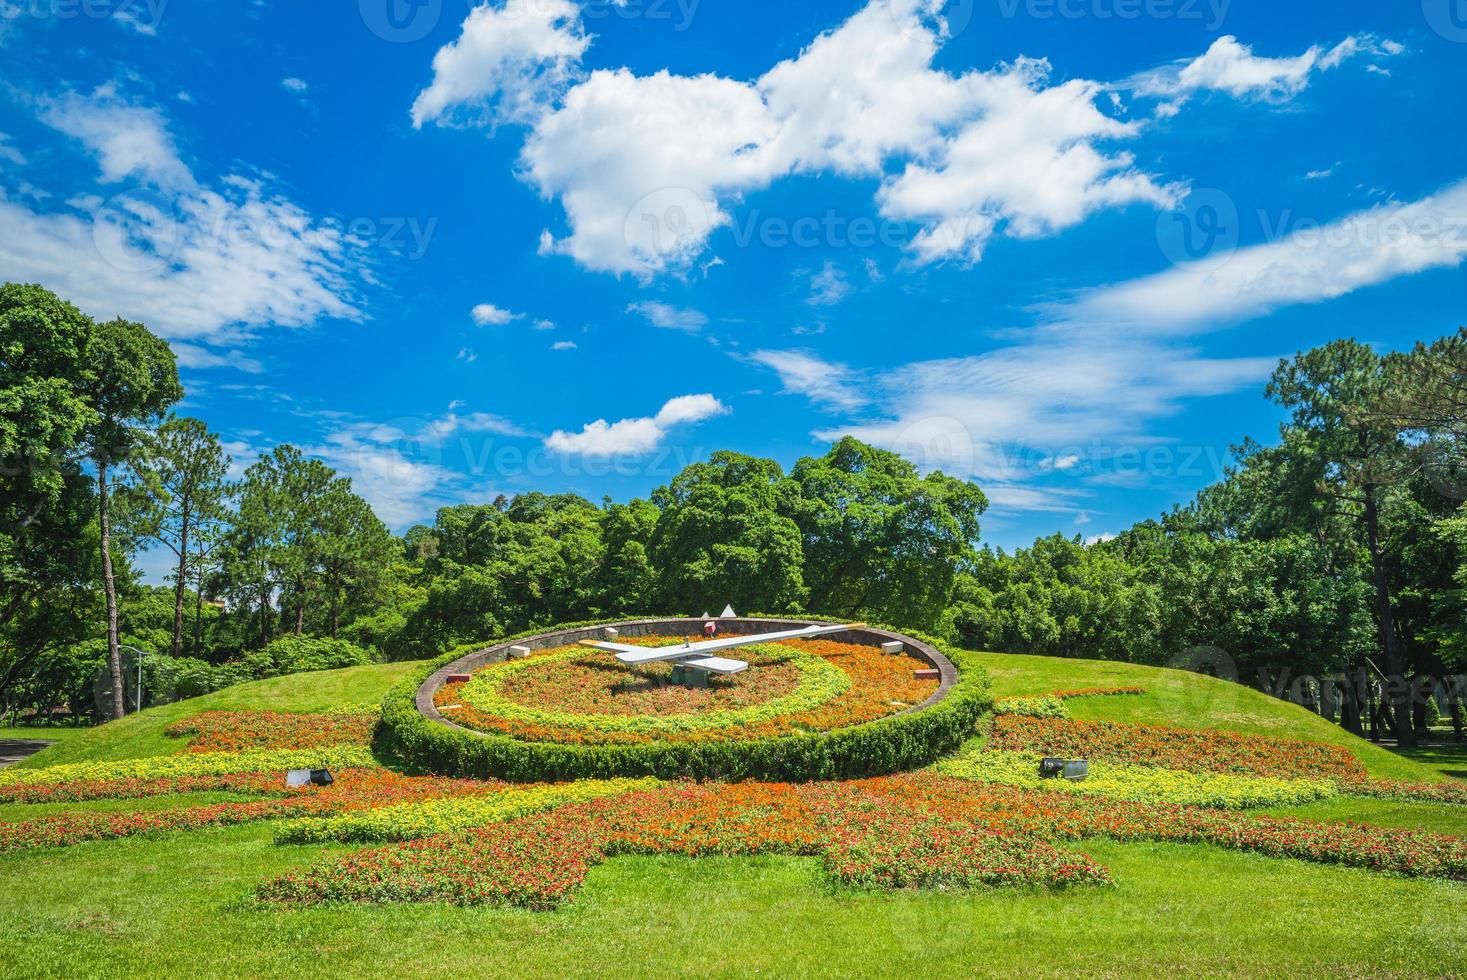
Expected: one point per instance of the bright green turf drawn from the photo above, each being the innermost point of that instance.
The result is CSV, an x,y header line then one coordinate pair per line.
x,y
141,735
1434,818
180,906
1186,700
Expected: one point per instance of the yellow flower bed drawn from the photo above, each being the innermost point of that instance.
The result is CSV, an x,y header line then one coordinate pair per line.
x,y
408,821
196,764
1142,784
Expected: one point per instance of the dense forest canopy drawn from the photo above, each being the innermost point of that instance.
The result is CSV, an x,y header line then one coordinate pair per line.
x,y
1328,567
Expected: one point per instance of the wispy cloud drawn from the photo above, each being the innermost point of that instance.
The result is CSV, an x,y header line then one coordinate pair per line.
x,y
669,317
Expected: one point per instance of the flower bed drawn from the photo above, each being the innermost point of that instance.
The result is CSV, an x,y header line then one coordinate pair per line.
x,y
240,731
831,742
354,789
1176,748
917,830
572,695
132,788
408,821
538,861
194,764
1147,784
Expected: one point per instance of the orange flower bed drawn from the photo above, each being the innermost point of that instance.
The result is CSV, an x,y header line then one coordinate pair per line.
x,y
1176,748
241,731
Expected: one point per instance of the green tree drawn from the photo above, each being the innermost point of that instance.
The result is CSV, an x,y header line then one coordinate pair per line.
x,y
47,510
725,535
183,499
879,539
1335,394
349,552
131,381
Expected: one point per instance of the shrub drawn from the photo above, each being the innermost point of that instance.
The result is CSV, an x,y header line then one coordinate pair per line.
x,y
1043,706
890,744
297,654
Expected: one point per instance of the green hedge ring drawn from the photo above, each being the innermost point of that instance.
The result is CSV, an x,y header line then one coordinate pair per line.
x,y
417,733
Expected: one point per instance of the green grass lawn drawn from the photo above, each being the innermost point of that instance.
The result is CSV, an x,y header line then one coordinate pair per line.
x,y
1187,700
141,735
182,905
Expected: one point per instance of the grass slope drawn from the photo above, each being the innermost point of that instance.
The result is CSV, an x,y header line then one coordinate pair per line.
x,y
181,904
141,735
1187,700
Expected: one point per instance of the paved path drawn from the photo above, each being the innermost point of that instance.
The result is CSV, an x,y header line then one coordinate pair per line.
x,y
13,750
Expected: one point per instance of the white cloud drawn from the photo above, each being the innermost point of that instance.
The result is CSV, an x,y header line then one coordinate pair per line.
x,y
646,167
1306,266
563,345
467,355
398,467
828,286
201,358
296,86
506,65
669,317
544,325
1028,163
637,435
487,314
127,139
205,264
805,373
1232,67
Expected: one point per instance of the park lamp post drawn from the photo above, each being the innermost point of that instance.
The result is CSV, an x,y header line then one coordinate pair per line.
x,y
141,654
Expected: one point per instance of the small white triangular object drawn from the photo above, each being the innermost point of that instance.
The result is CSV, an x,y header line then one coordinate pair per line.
x,y
705,614
728,612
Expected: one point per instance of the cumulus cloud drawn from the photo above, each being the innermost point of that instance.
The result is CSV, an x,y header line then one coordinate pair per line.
x,y
669,317
487,315
646,167
508,63
636,435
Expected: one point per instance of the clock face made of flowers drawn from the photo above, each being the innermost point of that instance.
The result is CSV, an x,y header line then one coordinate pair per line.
x,y
694,656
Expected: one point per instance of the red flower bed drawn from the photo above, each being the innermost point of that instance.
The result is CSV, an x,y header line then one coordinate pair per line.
x,y
914,830
239,731
538,861
1065,816
1176,748
354,789
131,789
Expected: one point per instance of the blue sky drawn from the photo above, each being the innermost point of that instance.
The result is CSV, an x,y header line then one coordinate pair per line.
x,y
455,251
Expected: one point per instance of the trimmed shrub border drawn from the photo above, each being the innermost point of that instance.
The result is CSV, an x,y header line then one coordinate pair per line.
x,y
414,729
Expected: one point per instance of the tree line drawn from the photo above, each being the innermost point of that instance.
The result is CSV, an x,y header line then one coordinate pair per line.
x,y
1334,554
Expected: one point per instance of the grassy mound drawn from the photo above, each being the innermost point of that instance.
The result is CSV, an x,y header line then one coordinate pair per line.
x,y
141,735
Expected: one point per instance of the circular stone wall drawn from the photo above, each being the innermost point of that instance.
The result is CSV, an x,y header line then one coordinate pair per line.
x,y
597,744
